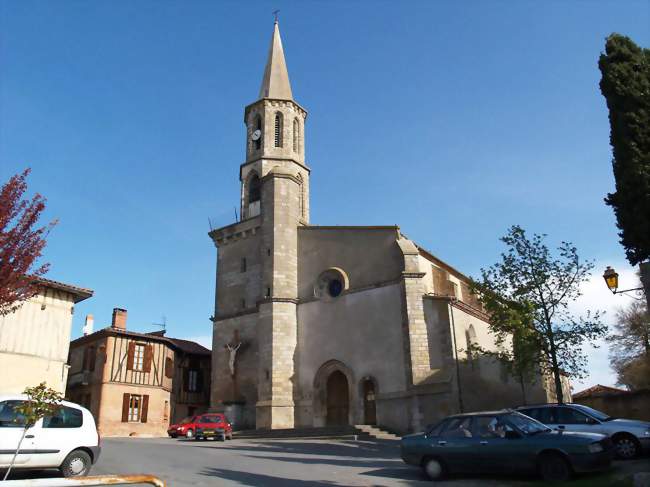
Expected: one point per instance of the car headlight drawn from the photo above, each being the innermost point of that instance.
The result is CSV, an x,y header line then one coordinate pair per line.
x,y
595,448
647,432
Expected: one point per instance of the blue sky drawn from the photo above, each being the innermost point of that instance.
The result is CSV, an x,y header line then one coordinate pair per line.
x,y
454,120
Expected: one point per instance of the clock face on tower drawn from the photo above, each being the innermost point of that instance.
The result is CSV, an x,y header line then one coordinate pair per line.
x,y
256,134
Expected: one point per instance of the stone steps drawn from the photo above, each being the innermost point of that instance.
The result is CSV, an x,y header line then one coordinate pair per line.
x,y
329,432
375,432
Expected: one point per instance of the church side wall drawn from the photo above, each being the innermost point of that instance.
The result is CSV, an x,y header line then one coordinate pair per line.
x,y
485,382
363,331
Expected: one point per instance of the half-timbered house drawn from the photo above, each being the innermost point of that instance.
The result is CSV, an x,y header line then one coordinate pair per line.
x,y
137,383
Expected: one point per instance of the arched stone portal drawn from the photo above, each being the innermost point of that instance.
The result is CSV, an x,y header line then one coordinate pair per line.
x,y
334,397
338,399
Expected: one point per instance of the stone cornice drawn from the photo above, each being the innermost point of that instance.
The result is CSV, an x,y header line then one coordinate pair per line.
x,y
275,102
235,231
247,311
413,275
290,159
456,303
277,300
281,175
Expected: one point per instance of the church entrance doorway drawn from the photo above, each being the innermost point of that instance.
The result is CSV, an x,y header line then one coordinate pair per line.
x,y
338,399
369,405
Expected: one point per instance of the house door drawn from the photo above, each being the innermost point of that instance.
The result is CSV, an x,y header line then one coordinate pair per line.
x,y
369,405
338,399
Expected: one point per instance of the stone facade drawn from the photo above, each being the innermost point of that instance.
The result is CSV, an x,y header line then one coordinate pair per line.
x,y
336,325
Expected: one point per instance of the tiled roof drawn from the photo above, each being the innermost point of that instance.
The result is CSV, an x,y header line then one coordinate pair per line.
x,y
188,346
185,346
598,390
80,293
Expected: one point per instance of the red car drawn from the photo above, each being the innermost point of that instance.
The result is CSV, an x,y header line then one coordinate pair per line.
x,y
212,425
186,427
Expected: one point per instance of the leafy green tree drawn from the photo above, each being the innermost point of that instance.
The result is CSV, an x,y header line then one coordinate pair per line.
x,y
629,350
41,401
527,296
625,84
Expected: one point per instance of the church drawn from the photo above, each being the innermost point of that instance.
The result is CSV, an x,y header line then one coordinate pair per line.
x,y
336,325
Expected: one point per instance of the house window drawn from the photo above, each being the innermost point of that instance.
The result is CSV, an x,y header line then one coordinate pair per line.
x,y
138,357
135,408
278,129
169,368
243,264
166,411
193,381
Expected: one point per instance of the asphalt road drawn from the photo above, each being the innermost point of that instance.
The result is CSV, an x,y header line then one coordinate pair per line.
x,y
291,463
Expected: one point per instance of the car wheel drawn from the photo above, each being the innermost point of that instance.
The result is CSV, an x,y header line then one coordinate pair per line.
x,y
554,468
76,464
189,434
173,436
433,468
626,447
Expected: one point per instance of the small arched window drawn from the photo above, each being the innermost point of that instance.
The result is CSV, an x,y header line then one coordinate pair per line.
x,y
278,129
296,135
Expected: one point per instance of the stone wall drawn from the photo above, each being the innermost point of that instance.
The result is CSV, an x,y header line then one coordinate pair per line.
x,y
629,405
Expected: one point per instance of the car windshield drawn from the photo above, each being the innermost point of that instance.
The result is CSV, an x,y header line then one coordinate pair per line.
x,y
187,420
528,425
592,412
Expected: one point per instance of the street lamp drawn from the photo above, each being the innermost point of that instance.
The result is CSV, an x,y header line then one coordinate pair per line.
x,y
611,279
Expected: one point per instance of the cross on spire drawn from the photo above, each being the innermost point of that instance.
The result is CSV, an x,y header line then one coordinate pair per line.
x,y
275,15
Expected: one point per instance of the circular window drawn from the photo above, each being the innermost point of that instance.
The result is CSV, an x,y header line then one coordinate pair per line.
x,y
331,284
335,287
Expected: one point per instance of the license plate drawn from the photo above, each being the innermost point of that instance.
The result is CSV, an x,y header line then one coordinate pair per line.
x,y
208,432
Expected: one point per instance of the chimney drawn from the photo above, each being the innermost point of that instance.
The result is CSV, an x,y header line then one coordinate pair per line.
x,y
88,327
119,318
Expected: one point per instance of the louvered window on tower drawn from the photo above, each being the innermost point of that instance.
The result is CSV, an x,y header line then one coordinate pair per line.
x,y
278,130
295,134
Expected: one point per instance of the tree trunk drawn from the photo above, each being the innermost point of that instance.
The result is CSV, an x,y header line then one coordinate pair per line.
x,y
556,374
523,388
13,460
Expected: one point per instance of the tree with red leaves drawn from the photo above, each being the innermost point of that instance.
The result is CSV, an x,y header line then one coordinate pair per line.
x,y
21,243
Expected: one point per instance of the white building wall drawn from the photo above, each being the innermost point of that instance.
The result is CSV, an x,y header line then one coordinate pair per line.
x,y
34,342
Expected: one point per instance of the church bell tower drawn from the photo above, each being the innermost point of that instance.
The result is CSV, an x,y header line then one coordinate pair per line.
x,y
275,188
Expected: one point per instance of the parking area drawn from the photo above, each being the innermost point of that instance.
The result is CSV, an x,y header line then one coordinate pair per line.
x,y
294,463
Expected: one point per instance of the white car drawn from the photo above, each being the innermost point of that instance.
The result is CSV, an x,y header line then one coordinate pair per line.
x,y
68,440
630,436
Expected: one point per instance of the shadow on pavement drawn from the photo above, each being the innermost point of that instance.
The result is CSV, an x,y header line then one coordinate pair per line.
x,y
253,479
31,474
341,448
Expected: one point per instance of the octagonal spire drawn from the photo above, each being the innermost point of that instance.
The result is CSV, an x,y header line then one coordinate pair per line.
x,y
275,83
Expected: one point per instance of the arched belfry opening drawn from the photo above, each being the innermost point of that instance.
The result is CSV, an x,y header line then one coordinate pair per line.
x,y
338,399
254,196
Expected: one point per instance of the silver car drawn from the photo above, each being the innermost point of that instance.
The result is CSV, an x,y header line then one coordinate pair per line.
x,y
630,436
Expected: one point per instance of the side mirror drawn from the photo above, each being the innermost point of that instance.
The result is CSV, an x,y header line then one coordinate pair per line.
x,y
512,435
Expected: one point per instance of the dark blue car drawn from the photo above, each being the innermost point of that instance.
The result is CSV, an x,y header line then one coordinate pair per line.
x,y
504,442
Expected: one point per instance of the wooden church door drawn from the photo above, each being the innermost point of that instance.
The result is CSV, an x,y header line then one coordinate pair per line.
x,y
338,399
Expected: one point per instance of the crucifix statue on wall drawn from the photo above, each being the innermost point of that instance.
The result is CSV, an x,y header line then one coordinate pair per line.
x,y
233,347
